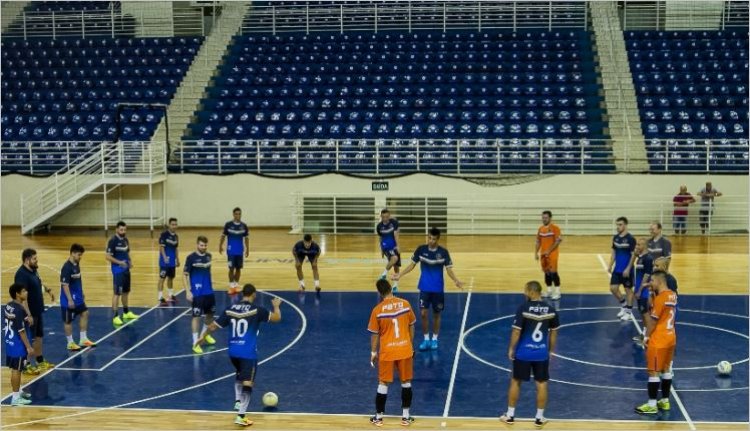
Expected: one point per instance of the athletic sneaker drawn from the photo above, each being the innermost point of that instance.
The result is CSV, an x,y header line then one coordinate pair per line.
x,y
173,300
407,421
394,290
663,404
425,345
209,339
434,345
621,312
626,316
44,365
507,419
31,370
162,302
245,422
540,422
21,401
237,405
547,293
646,409
117,322
197,349
375,421
73,346
88,343
25,395
555,294
130,316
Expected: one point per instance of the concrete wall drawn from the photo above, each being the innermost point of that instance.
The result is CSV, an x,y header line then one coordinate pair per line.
x,y
204,200
153,18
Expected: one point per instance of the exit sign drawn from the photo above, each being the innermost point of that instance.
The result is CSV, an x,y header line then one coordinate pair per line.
x,y
380,186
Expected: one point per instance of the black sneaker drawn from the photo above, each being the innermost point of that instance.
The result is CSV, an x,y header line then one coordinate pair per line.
x,y
510,420
162,302
375,421
540,422
405,422
173,300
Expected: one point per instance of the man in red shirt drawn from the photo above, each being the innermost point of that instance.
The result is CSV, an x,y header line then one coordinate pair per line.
x,y
681,202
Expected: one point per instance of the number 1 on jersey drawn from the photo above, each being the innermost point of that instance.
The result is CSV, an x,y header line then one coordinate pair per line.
x,y
395,325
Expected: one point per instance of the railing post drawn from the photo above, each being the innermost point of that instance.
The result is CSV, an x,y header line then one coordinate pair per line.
x,y
497,147
307,18
550,16
479,19
335,214
376,18
273,20
666,157
53,25
585,15
541,158
83,26
708,156
418,156
57,190
257,155
514,16
67,155
657,15
445,16
112,21
581,158
409,16
31,159
296,158
218,154
377,158
341,18
458,157
24,25
182,158
337,155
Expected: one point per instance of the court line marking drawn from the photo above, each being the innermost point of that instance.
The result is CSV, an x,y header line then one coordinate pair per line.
x,y
682,408
189,388
56,367
187,355
456,358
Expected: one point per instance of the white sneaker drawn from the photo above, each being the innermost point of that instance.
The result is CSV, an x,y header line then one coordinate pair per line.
x,y
621,312
626,316
555,293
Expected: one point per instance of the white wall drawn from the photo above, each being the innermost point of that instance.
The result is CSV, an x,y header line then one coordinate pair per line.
x,y
207,200
154,18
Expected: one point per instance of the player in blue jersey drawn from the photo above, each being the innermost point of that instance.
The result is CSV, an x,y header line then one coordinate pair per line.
x,y
644,267
200,291
387,230
310,250
17,345
236,234
169,259
532,341
621,268
243,321
432,259
658,244
118,255
72,300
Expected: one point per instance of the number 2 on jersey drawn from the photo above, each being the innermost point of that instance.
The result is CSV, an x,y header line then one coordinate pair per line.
x,y
670,322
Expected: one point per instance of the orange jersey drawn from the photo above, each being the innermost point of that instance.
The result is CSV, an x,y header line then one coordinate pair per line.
x,y
392,320
664,313
547,235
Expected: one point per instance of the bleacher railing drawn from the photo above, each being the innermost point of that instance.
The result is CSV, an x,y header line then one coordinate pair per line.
x,y
414,15
576,214
686,15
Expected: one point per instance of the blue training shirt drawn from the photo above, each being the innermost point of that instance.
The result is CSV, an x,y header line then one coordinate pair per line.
x,y
119,248
198,266
243,320
70,274
644,265
13,324
624,246
235,233
170,241
535,319
431,266
299,249
387,233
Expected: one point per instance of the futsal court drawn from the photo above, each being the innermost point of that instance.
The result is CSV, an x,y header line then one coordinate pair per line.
x,y
317,358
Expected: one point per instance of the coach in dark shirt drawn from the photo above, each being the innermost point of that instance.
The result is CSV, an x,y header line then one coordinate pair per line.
x,y
28,276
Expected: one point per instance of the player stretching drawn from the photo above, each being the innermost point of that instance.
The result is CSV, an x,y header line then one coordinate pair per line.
x,y
72,300
17,345
432,258
392,327
118,255
621,268
307,248
168,260
644,267
533,338
200,292
243,320
661,340
387,230
238,248
548,239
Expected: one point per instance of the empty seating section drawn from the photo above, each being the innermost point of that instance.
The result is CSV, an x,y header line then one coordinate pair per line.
x,y
692,89
71,18
481,97
68,90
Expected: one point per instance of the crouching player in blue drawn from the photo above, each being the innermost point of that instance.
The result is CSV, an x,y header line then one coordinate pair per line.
x,y
310,250
243,321
17,345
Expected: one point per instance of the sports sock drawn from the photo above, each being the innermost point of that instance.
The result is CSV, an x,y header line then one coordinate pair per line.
x,y
427,337
434,337
385,273
302,284
406,396
171,292
161,295
39,359
125,310
622,303
84,337
380,398
539,413
195,337
556,279
666,385
70,338
16,396
237,390
653,390
317,283
511,411
245,399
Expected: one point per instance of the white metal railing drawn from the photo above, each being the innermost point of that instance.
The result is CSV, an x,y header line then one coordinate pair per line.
x,y
512,215
107,162
694,15
415,15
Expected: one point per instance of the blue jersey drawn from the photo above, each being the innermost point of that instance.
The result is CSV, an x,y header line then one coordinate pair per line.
x,y
644,266
243,320
70,274
235,233
311,253
431,267
119,248
198,268
624,246
535,319
13,324
170,242
387,233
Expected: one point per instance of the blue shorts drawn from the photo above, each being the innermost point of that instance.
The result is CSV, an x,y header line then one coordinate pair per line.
x,y
244,369
204,304
522,370
166,272
436,300
235,262
14,363
389,253
617,279
69,314
310,257
121,283
643,305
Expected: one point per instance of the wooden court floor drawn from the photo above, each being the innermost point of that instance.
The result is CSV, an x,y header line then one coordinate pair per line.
x,y
703,265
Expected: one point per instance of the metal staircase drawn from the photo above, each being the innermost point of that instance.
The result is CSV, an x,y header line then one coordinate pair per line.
x,y
110,164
